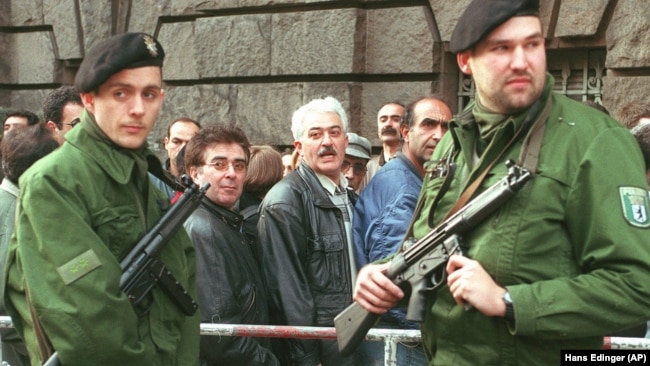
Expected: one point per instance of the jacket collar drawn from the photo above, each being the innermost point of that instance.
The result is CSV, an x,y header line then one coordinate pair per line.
x,y
464,130
9,187
228,217
109,157
409,164
314,185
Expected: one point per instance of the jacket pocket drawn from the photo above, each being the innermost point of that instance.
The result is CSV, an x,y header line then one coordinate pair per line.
x,y
326,263
118,227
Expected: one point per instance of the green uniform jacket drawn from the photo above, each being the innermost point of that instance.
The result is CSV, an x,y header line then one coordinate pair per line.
x,y
79,213
576,268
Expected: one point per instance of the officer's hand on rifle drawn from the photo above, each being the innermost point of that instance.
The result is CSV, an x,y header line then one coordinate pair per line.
x,y
471,285
374,291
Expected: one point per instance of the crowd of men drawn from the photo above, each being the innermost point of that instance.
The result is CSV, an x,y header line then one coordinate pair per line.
x,y
295,238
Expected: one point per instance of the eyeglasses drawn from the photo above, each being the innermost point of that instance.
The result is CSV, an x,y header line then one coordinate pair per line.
x,y
357,168
73,123
222,165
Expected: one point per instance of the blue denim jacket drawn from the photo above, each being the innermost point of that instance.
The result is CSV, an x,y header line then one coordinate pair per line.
x,y
382,215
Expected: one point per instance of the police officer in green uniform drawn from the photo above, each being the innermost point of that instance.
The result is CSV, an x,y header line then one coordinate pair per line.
x,y
565,261
82,209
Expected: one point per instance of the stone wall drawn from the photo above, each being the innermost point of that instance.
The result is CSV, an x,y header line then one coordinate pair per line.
x,y
253,62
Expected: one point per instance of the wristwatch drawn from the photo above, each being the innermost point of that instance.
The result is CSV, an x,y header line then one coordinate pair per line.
x,y
510,310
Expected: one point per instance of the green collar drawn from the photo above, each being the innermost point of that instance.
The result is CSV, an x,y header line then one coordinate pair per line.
x,y
117,162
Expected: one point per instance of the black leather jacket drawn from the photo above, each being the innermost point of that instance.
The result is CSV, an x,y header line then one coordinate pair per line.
x,y
304,257
230,289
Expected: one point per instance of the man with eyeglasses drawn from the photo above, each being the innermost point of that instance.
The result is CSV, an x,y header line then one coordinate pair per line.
x,y
230,286
62,108
386,205
357,155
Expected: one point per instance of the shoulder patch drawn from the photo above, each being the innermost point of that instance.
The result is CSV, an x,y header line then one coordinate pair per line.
x,y
635,206
79,266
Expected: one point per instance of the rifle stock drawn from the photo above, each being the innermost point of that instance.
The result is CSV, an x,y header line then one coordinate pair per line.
x,y
352,325
422,265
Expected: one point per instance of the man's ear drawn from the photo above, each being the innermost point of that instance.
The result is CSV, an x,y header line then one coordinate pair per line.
x,y
88,99
52,126
463,62
404,130
298,145
193,173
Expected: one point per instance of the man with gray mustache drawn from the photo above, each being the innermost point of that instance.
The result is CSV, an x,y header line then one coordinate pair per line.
x,y
305,235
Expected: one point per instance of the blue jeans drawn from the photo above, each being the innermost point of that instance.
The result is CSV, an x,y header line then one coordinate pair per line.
x,y
371,353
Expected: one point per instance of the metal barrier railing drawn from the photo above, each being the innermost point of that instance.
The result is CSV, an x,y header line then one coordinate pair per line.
x,y
390,336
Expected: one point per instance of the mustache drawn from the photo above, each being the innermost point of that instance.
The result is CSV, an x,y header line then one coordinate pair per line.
x,y
388,131
328,150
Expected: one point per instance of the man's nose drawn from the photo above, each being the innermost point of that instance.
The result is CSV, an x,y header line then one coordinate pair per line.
x,y
327,139
137,106
519,61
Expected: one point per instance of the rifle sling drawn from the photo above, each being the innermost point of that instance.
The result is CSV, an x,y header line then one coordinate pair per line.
x,y
528,156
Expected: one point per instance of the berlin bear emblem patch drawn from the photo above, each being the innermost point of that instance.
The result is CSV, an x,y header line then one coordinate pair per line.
x,y
635,205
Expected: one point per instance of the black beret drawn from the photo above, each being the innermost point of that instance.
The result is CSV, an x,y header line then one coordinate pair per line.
x,y
114,54
483,16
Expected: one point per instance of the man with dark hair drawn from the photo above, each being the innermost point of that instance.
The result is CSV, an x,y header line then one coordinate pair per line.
x,y
61,110
389,118
21,148
545,271
230,286
634,114
386,205
357,155
179,132
19,117
63,281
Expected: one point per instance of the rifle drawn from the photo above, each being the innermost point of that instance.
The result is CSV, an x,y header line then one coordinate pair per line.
x,y
422,264
142,271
